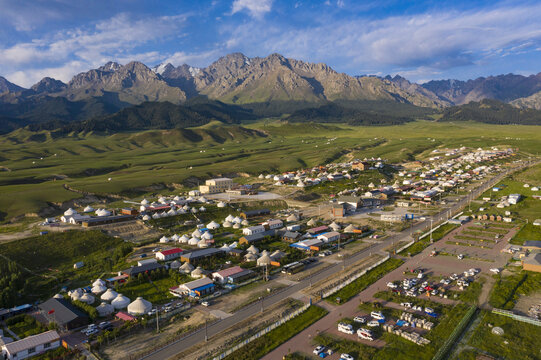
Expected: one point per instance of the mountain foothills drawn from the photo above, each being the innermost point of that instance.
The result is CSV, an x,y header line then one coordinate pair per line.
x,y
253,87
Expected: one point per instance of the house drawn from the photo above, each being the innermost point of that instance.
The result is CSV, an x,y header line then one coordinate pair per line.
x,y
146,261
254,213
308,245
371,201
532,262
291,236
124,316
218,185
145,268
75,218
360,166
31,345
197,255
63,313
338,210
249,239
391,217
317,230
273,224
196,288
102,220
329,237
129,211
514,198
252,230
352,203
532,245
232,275
169,254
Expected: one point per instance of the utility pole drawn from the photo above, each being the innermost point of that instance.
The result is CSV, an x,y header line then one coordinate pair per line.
x,y
157,321
262,298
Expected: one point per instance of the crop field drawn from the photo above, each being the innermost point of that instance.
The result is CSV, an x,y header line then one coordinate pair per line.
x,y
35,168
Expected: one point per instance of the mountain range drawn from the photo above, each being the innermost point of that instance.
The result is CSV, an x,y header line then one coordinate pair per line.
x,y
289,85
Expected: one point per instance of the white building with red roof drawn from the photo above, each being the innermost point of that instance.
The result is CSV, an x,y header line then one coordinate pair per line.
x,y
169,254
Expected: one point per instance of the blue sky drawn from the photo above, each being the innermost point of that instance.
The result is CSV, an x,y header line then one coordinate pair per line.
x,y
421,40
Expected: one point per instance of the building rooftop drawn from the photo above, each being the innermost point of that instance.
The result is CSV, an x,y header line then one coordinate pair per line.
x,y
32,341
64,311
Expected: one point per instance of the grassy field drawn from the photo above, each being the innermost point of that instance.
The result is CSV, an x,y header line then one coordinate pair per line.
x,y
520,341
151,161
25,325
423,243
261,346
507,289
527,232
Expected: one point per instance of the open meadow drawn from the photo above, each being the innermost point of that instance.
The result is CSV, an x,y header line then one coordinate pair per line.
x,y
38,170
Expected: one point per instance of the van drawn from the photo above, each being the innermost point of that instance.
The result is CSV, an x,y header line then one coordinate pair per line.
x,y
345,328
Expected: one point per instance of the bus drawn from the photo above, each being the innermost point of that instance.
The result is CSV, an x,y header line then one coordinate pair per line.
x,y
298,267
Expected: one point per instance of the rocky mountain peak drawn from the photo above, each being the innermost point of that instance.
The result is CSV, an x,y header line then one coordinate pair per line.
x,y
48,85
110,66
7,86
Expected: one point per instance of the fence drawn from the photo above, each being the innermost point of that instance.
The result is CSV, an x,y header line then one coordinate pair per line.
x,y
405,246
459,329
514,316
262,332
354,277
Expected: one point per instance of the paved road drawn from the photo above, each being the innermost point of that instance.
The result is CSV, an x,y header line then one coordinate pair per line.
x,y
221,325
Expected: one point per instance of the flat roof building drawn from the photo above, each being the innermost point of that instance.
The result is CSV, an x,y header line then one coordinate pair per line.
x,y
31,346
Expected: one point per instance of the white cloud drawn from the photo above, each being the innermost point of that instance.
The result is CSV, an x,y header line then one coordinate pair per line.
x,y
196,59
65,72
256,8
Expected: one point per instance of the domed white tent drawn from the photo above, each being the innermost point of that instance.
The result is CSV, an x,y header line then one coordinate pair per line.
x,y
264,252
58,296
207,236
162,200
250,257
186,268
198,273
202,244
184,239
98,282
109,295
194,210
252,249
175,265
202,199
103,212
225,248
87,298
70,212
139,306
144,202
88,209
334,226
181,211
120,302
350,229
202,208
171,212
261,176
220,204
175,237
177,198
76,294
193,241
264,260
292,218
164,239
146,218
236,226
98,289
142,208
311,222
227,224
105,309
190,199
245,223
277,255
155,216
237,220
186,208
197,233
229,218
234,245
213,225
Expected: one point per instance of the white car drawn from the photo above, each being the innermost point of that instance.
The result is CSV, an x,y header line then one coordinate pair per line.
x,y
429,310
319,349
373,323
346,357
495,270
460,257
345,328
365,334
377,315
205,303
406,305
392,285
359,319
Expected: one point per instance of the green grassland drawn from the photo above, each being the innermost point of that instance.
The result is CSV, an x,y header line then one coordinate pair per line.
x,y
36,165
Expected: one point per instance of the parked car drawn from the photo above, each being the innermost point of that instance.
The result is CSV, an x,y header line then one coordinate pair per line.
x,y
346,357
373,323
495,270
205,303
460,256
407,305
345,328
377,315
359,319
392,285
318,349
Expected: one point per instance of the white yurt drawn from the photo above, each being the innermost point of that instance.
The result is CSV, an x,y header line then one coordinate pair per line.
x,y
277,255
194,210
334,226
292,218
70,212
220,204
120,302
162,200
142,208
234,245
202,244
229,218
186,268
193,241
175,238
76,294
250,257
98,289
88,209
146,218
177,198
139,307
261,176
103,212
155,216
264,252
164,214
98,282
264,260
87,298
252,249
227,224
175,265
245,223
181,211
105,309
164,239
144,202
171,212
202,208
186,208
207,236
350,229
236,226
237,220
225,248
213,225
202,199
184,239
58,296
198,273
311,222
197,233
190,199
109,295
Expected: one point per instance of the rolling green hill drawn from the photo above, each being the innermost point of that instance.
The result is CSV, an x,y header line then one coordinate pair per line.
x,y
492,112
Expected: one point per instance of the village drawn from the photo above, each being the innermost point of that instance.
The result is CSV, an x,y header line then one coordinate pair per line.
x,y
439,227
